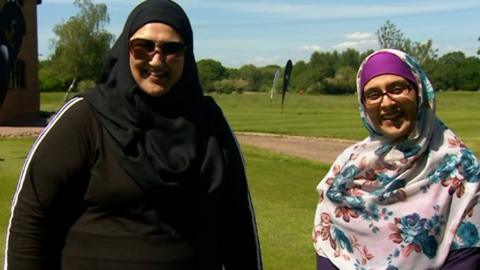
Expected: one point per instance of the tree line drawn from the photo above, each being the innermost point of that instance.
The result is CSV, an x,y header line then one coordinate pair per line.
x,y
82,44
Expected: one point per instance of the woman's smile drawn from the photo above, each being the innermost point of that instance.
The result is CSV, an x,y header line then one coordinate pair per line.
x,y
392,119
155,76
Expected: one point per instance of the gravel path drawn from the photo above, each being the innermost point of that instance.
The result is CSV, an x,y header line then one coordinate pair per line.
x,y
324,150
321,149
17,132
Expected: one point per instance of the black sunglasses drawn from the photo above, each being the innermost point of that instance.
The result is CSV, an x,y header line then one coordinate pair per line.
x,y
144,48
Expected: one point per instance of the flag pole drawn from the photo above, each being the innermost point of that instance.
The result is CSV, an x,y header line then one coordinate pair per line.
x,y
275,79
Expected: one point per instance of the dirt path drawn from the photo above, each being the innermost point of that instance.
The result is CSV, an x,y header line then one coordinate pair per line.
x,y
321,149
17,132
324,150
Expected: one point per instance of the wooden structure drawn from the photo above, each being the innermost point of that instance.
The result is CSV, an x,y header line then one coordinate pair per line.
x,y
21,106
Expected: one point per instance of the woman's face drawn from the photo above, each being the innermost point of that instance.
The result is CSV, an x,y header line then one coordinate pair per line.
x,y
157,56
391,104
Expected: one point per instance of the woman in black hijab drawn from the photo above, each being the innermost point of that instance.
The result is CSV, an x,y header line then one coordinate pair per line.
x,y
141,173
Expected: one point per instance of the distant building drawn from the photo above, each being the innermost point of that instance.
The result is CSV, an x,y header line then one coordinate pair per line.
x,y
18,27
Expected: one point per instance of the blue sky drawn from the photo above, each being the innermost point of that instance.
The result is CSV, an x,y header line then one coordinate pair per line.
x,y
263,32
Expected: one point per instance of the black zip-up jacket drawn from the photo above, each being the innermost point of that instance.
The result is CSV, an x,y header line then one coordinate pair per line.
x,y
76,208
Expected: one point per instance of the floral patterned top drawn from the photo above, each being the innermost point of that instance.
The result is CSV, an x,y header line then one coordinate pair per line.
x,y
394,205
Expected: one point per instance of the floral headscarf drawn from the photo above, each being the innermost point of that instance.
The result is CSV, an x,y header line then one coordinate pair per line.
x,y
390,205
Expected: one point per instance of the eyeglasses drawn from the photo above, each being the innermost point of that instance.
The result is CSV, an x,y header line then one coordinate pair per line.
x,y
394,91
144,48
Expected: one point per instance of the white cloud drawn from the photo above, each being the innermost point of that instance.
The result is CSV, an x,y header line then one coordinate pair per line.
x,y
357,44
357,40
309,48
263,61
360,36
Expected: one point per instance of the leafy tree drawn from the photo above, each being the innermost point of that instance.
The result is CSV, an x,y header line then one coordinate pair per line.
x,y
82,43
478,51
252,75
267,76
209,71
300,76
350,58
446,73
469,74
257,78
455,71
389,36
213,76
346,74
228,86
49,81
335,87
422,52
342,83
324,64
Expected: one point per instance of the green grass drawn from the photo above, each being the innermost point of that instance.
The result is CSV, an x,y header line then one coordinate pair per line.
x,y
460,111
284,196
321,116
51,101
12,155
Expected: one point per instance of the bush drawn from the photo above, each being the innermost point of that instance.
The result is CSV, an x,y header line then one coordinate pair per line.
x,y
336,87
85,85
208,87
228,86
50,82
314,88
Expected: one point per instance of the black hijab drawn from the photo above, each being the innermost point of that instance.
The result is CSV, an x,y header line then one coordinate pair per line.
x,y
157,140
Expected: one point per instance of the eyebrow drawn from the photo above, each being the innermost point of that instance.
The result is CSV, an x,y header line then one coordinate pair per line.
x,y
180,40
390,83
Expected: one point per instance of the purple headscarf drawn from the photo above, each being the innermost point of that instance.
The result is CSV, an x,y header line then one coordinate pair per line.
x,y
385,63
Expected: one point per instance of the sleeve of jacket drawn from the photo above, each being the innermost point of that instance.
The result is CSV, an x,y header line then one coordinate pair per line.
x,y
50,188
239,241
240,229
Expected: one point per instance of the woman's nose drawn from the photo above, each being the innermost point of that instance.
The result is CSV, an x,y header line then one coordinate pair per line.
x,y
157,59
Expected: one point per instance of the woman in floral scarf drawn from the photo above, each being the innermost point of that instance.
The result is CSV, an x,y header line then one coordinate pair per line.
x,y
406,197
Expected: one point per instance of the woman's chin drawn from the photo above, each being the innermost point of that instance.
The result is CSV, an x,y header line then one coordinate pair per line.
x,y
394,130
154,89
